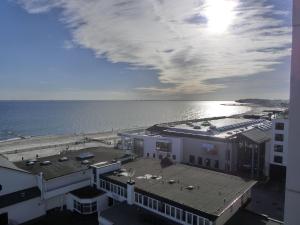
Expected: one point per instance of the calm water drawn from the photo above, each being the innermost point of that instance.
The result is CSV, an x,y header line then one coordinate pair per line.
x,y
31,118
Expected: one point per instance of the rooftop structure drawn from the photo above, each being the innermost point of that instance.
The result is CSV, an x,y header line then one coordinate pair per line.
x,y
221,127
220,143
70,162
202,191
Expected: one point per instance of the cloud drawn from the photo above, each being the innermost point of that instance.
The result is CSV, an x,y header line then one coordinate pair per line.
x,y
68,44
187,42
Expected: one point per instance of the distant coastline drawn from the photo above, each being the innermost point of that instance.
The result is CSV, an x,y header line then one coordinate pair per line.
x,y
264,102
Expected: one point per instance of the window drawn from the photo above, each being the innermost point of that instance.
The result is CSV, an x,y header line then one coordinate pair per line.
x,y
140,199
278,159
200,160
178,214
195,220
207,162
153,155
147,154
189,218
183,215
279,126
145,202
150,203
201,221
217,164
94,206
278,148
161,207
168,210
172,211
136,197
174,157
163,146
278,137
155,204
206,222
85,208
192,159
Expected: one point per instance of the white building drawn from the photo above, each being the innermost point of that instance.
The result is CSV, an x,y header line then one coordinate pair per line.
x,y
210,143
89,182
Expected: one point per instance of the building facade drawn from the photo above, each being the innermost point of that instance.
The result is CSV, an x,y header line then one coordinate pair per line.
x,y
92,182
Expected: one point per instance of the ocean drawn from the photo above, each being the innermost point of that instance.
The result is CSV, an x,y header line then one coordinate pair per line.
x,y
35,118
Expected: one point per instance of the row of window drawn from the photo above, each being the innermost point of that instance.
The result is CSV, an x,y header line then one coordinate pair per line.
x,y
163,146
207,162
85,208
169,210
121,191
160,156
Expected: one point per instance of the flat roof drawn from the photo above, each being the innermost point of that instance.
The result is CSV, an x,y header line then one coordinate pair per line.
x,y
257,136
61,168
220,127
213,191
87,192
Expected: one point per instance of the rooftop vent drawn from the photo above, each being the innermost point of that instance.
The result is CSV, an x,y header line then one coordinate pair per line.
x,y
171,181
206,123
153,177
191,187
62,159
30,163
114,161
45,163
84,162
85,155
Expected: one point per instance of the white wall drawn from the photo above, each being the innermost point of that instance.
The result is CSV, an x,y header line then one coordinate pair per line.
x,y
67,180
102,201
194,146
150,146
13,180
24,211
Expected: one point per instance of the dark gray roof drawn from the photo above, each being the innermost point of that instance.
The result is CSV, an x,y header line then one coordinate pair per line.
x,y
257,136
72,165
5,163
87,192
210,188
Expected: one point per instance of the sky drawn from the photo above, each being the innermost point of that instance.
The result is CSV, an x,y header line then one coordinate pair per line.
x,y
150,49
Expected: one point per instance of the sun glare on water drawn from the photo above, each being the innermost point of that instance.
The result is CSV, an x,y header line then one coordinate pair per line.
x,y
219,14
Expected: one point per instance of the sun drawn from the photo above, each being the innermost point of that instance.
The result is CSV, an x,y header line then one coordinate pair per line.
x,y
219,14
